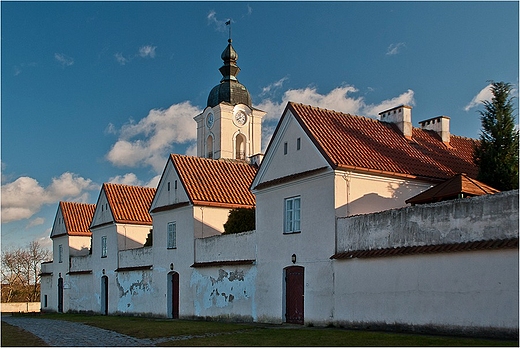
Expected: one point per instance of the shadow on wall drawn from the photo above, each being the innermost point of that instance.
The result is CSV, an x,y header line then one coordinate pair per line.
x,y
373,202
203,230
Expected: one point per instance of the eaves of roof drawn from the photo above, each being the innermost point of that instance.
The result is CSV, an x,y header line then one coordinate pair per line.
x,y
289,178
511,243
223,263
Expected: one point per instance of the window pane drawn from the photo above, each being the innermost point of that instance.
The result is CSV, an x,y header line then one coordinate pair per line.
x,y
171,243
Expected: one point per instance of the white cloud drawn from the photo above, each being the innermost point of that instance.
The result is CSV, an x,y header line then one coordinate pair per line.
x,y
191,150
120,58
131,179
147,51
63,59
148,142
394,49
220,25
273,87
24,197
484,94
372,110
35,222
340,99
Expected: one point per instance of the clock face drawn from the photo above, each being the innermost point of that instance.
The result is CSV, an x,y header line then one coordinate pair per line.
x,y
240,117
210,120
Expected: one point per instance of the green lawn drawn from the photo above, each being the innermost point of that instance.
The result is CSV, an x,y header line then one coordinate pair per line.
x,y
13,336
211,333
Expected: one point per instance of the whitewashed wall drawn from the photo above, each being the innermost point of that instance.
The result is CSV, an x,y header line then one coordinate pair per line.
x,y
471,291
225,292
227,247
313,247
467,291
469,219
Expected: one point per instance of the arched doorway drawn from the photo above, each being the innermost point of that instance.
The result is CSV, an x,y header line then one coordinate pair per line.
x,y
104,295
60,295
173,295
294,294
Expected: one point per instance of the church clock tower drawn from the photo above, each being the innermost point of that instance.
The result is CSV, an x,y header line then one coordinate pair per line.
x,y
229,127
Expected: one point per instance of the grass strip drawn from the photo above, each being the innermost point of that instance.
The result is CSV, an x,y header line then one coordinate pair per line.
x,y
13,336
213,333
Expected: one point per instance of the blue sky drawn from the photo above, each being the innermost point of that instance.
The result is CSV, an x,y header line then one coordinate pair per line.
x,y
103,91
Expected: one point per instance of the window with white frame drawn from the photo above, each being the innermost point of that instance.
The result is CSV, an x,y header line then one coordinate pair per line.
x,y
60,253
171,243
292,215
104,246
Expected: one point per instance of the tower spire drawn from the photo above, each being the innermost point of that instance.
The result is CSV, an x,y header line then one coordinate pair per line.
x,y
228,23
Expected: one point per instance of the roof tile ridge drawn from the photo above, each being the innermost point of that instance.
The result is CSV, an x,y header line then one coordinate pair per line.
x,y
324,109
478,184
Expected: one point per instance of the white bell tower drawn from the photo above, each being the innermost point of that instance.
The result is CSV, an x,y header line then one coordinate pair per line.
x,y
229,127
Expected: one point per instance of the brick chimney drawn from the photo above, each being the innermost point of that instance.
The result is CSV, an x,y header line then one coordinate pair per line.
x,y
401,116
440,125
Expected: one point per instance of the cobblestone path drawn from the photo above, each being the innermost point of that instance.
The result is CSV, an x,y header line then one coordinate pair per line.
x,y
60,333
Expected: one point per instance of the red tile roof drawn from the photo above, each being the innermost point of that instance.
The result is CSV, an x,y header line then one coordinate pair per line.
x,y
216,182
430,249
129,204
450,189
360,143
77,218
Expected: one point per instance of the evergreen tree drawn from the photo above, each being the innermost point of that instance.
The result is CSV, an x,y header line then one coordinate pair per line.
x,y
240,220
496,154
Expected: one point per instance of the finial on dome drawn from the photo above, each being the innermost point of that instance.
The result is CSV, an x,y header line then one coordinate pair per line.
x,y
228,22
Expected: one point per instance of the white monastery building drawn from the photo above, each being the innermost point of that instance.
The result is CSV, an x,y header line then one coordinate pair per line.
x,y
359,222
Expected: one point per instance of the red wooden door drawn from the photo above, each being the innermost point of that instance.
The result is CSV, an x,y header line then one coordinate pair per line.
x,y
175,295
294,300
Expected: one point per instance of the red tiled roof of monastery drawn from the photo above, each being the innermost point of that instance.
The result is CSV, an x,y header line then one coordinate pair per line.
x,y
129,204
77,217
361,143
458,184
216,182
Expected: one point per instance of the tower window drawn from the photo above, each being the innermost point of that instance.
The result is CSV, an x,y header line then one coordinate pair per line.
x,y
240,147
209,147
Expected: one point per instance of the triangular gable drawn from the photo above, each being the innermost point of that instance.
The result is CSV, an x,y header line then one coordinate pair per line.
x,y
290,154
222,183
170,190
459,184
103,213
73,219
123,204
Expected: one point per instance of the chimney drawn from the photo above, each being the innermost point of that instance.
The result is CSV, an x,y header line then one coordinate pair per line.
x,y
401,116
440,125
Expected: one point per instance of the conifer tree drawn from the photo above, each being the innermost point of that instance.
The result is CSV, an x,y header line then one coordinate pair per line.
x,y
496,154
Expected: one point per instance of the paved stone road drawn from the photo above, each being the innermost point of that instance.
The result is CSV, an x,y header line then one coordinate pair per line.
x,y
61,333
